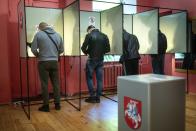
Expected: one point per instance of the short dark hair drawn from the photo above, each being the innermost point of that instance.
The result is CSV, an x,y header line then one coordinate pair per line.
x,y
89,27
42,25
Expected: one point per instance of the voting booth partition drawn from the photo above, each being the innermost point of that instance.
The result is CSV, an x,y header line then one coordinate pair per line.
x,y
29,19
146,21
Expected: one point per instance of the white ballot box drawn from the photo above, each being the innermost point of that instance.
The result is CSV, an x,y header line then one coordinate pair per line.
x,y
151,102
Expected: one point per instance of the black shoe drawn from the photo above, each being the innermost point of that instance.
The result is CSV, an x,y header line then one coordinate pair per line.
x,y
90,100
44,108
97,100
57,106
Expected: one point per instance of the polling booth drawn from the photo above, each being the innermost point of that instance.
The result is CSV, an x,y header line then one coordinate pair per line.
x,y
104,20
100,19
29,19
174,26
146,21
143,23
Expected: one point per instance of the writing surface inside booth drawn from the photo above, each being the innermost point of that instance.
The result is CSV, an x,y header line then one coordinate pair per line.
x,y
71,30
145,27
86,19
111,24
34,15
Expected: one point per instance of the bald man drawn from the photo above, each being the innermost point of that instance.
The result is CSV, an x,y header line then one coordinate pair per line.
x,y
47,46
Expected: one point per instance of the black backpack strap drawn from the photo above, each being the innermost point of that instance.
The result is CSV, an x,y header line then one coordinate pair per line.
x,y
52,41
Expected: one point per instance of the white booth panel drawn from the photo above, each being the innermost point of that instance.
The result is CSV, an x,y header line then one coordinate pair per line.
x,y
145,27
71,30
86,19
34,16
128,23
175,28
111,25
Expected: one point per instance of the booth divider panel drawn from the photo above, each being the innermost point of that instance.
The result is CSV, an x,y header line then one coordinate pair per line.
x,y
111,25
35,15
86,19
174,26
71,30
145,27
128,23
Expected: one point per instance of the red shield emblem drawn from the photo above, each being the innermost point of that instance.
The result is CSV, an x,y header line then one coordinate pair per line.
x,y
133,112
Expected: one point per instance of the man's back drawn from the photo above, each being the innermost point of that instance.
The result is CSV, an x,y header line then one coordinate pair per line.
x,y
130,46
47,48
96,44
162,43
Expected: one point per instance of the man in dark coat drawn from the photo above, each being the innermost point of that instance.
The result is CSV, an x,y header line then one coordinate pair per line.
x,y
95,45
130,57
159,59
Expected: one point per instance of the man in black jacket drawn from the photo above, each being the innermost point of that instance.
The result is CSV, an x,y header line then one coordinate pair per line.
x,y
130,57
159,59
95,45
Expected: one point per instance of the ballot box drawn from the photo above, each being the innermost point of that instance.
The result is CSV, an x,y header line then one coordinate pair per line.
x,y
151,102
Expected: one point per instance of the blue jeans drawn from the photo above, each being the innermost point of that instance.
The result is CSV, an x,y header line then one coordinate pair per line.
x,y
97,66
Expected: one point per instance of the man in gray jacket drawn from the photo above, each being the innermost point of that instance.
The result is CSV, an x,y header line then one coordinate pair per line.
x,y
47,46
